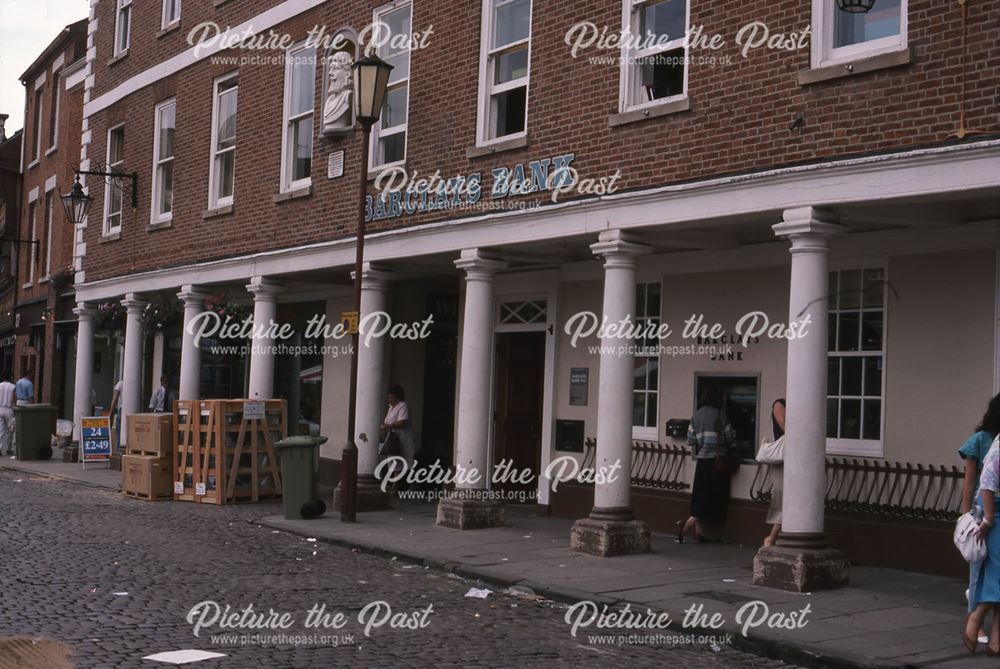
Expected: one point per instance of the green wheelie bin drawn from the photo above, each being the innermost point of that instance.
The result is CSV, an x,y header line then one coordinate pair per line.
x,y
300,477
34,425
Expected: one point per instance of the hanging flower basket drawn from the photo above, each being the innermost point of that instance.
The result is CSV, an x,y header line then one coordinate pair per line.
x,y
158,316
237,313
63,279
110,318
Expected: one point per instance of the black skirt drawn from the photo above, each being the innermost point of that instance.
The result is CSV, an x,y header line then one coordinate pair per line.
x,y
710,492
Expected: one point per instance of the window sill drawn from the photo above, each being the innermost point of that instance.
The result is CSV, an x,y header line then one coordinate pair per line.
x,y
852,68
498,147
50,151
110,237
169,28
652,111
373,173
294,194
44,279
160,225
27,285
216,212
119,58
219,3
33,163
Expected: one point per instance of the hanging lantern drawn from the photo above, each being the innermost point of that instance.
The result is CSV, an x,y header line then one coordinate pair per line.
x,y
855,6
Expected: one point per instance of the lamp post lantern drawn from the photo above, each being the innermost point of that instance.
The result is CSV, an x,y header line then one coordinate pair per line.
x,y
855,6
371,79
76,203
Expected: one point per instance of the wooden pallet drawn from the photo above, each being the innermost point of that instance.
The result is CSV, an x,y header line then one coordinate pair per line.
x,y
222,457
162,497
155,454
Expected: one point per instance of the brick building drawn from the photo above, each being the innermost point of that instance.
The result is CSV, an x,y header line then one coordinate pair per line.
x,y
10,208
642,179
45,324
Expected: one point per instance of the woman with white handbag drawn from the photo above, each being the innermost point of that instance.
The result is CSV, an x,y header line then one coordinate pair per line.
x,y
986,594
772,453
973,453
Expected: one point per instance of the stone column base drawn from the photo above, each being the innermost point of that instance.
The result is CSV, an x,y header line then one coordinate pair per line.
x,y
801,569
607,538
370,495
469,514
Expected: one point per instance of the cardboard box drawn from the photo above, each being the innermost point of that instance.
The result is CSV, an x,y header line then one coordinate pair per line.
x,y
147,476
150,434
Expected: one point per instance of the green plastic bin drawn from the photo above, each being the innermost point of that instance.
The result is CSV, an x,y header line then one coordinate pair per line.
x,y
34,425
300,477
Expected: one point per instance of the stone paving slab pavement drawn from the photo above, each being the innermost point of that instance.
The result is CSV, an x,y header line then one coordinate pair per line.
x,y
886,618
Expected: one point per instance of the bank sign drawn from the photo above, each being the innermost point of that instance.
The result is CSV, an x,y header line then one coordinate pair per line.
x,y
403,194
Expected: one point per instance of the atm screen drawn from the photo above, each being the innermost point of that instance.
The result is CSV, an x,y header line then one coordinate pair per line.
x,y
740,397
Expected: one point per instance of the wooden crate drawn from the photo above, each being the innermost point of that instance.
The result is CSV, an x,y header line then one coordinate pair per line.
x,y
221,456
147,477
150,434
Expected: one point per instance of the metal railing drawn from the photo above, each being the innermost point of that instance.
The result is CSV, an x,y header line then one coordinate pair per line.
x,y
877,487
654,465
857,485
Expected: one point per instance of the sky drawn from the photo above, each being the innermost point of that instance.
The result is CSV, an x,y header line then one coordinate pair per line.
x,y
26,28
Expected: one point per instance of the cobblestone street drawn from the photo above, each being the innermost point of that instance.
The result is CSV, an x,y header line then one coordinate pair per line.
x,y
71,552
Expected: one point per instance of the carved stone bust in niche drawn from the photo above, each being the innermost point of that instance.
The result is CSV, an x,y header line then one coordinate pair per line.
x,y
338,112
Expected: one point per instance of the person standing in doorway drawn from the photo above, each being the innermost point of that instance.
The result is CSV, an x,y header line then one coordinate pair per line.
x,y
25,389
158,402
114,412
7,395
397,421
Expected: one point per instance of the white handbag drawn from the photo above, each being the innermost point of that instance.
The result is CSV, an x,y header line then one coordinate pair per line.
x,y
966,540
772,452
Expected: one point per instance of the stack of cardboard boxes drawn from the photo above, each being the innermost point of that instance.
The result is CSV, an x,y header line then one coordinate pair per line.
x,y
147,466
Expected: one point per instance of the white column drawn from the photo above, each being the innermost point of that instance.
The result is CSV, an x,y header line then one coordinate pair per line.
x,y
131,400
474,411
190,381
265,311
84,381
805,415
371,407
616,376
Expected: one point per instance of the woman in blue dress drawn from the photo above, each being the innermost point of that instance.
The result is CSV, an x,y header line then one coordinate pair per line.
x,y
973,452
985,596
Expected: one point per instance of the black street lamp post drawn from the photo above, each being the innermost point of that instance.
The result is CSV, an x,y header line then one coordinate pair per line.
x,y
371,78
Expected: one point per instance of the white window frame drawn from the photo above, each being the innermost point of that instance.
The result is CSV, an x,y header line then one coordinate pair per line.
x,y
213,201
39,95
166,20
486,87
288,123
123,41
155,216
110,182
631,70
872,448
50,205
377,130
642,432
33,214
822,51
54,112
